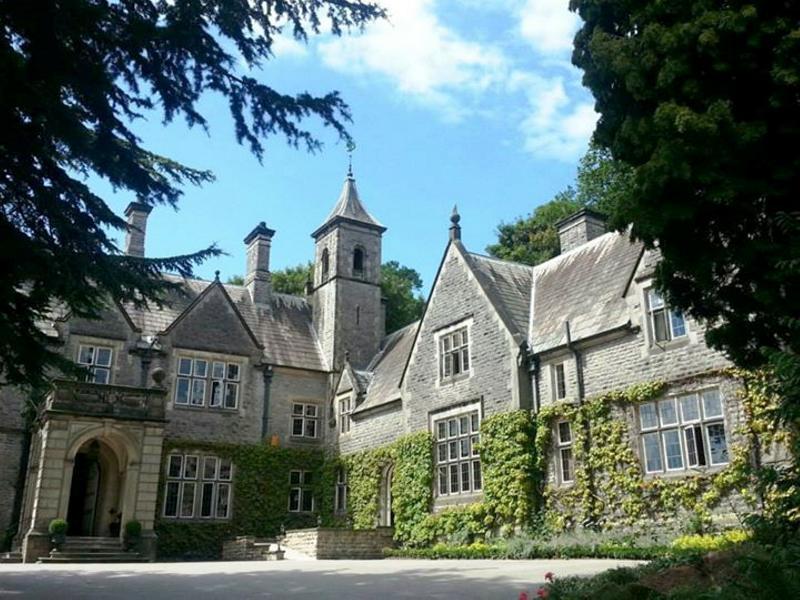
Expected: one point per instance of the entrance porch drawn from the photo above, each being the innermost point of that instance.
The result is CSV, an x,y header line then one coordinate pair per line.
x,y
95,462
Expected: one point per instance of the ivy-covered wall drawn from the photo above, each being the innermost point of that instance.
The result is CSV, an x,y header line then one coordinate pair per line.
x,y
610,489
260,498
508,484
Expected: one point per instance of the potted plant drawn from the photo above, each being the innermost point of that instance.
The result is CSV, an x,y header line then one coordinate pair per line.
x,y
58,532
133,533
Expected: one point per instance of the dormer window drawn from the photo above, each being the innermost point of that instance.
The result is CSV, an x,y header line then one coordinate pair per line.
x,y
666,324
358,263
325,264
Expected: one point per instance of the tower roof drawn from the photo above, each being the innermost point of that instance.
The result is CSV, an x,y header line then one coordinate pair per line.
x,y
349,209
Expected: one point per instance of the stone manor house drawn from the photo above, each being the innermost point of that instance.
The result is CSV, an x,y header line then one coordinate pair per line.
x,y
246,365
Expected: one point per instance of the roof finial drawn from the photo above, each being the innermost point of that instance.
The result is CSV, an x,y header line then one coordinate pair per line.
x,y
216,276
351,146
455,228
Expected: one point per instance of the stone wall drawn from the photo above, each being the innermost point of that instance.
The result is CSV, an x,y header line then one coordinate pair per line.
x,y
290,386
330,543
492,376
12,439
247,548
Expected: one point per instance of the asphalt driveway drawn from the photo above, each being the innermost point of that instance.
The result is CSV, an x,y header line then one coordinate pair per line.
x,y
345,580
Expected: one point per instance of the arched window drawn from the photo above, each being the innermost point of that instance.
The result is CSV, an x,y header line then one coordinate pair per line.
x,y
325,264
358,262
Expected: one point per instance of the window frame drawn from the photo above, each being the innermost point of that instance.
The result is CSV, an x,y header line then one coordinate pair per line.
x,y
446,337
305,419
340,492
460,452
93,366
559,380
563,446
208,379
692,456
345,411
198,483
669,316
304,486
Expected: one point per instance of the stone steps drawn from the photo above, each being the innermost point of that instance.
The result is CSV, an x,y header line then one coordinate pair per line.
x,y
83,549
11,557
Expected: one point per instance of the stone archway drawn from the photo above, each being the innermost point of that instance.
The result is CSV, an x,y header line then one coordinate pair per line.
x,y
96,489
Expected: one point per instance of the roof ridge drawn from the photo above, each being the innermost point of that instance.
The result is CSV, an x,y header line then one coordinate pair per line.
x,y
500,260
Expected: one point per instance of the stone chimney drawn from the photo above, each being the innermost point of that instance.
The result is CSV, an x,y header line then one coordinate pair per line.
x,y
579,228
258,279
137,227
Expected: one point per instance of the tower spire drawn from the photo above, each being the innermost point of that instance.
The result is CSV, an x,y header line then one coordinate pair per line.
x,y
350,148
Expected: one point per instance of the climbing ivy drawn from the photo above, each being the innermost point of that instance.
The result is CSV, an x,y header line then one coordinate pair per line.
x,y
260,498
508,484
609,489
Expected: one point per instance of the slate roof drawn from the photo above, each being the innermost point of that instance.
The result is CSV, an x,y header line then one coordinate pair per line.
x,y
508,286
584,286
349,208
283,327
387,367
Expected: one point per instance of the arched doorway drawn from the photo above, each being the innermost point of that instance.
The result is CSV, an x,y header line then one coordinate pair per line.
x,y
94,497
385,510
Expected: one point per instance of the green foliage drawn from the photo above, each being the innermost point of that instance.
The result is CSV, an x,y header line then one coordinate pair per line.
x,y
57,527
75,77
609,489
133,529
601,183
711,543
260,498
411,458
401,287
235,280
741,572
700,98
508,469
292,280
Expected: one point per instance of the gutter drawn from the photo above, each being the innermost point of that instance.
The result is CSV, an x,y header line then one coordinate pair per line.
x,y
267,374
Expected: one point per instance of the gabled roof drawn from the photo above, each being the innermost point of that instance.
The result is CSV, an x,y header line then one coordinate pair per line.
x,y
385,371
585,286
349,208
283,327
508,287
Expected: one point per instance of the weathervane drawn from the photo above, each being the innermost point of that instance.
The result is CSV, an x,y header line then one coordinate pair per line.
x,y
350,147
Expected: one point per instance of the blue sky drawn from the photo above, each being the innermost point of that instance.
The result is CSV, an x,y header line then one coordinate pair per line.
x,y
464,102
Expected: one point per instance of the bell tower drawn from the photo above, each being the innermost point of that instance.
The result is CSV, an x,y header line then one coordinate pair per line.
x,y
348,312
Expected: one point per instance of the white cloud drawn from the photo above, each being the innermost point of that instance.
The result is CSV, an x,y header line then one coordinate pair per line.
x,y
548,25
426,59
420,55
285,45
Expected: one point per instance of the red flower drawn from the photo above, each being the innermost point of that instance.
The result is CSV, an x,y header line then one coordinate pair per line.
x,y
549,576
542,593
523,596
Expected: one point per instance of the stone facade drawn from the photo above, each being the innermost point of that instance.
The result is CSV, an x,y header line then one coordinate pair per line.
x,y
244,365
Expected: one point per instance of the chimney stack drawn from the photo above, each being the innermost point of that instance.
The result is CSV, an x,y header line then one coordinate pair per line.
x,y
137,227
258,279
579,228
